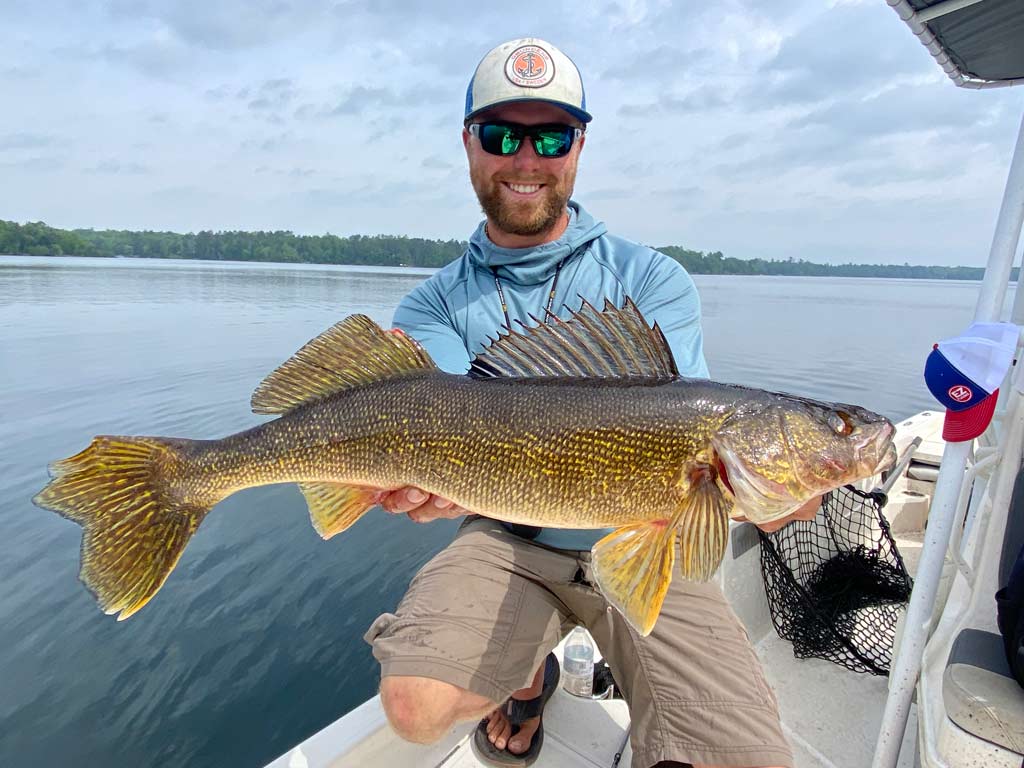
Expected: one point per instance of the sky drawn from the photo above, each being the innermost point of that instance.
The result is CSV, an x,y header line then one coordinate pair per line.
x,y
777,129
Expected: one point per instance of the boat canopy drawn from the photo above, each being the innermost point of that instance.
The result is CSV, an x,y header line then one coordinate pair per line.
x,y
979,43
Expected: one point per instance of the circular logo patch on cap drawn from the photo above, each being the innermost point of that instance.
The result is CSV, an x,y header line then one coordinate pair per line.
x,y
530,66
960,393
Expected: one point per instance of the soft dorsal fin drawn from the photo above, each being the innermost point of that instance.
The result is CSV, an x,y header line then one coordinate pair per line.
x,y
351,353
610,343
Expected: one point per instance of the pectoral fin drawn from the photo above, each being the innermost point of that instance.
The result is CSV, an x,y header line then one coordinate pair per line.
x,y
333,507
632,566
703,524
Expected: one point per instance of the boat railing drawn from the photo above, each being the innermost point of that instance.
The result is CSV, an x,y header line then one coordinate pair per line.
x,y
952,472
962,533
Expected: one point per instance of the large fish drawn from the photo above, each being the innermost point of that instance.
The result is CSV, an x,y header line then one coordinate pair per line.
x,y
582,423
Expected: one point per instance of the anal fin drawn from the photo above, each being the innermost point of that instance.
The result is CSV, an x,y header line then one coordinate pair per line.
x,y
334,507
632,566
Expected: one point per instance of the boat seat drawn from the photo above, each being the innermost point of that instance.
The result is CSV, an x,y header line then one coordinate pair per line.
x,y
980,693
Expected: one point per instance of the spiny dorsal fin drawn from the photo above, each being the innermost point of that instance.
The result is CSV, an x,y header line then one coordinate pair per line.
x,y
610,343
351,353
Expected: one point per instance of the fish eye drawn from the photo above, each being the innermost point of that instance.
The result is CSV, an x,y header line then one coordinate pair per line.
x,y
840,422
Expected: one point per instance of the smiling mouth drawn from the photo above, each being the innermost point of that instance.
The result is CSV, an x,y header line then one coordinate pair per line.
x,y
522,189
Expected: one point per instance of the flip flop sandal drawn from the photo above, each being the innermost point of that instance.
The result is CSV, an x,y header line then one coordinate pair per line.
x,y
517,711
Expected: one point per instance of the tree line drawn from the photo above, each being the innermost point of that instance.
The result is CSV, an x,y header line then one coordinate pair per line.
x,y
38,239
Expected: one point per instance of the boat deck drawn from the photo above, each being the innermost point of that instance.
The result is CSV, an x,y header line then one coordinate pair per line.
x,y
831,716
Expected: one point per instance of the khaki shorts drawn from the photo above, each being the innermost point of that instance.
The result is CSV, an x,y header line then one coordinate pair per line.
x,y
485,611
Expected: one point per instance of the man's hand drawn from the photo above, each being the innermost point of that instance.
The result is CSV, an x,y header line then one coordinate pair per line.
x,y
807,512
420,506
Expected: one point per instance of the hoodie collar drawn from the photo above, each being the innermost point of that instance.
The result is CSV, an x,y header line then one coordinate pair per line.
x,y
529,266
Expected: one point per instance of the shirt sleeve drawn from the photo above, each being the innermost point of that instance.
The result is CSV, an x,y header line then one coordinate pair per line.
x,y
669,297
423,314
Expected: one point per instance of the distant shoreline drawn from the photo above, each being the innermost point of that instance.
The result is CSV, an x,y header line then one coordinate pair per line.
x,y
38,239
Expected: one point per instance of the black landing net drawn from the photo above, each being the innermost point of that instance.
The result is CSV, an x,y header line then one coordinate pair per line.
x,y
836,585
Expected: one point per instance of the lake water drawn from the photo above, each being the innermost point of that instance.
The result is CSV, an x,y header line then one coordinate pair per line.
x,y
255,642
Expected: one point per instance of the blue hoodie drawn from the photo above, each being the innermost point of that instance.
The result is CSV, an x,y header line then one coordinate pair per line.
x,y
453,313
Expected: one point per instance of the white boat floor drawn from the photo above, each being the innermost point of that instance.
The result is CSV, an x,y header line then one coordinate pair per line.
x,y
832,716
577,734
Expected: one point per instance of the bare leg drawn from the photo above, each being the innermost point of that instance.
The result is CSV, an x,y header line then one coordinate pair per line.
x,y
499,730
422,710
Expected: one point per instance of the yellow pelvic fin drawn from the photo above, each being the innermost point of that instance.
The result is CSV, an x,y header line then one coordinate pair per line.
x,y
119,490
632,566
333,507
702,522
354,352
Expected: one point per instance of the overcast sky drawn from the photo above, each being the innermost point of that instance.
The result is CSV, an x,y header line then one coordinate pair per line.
x,y
761,128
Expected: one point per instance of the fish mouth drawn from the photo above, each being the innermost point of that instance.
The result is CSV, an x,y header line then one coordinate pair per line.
x,y
875,451
887,462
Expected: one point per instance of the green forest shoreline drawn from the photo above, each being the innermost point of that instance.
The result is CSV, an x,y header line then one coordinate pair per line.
x,y
38,239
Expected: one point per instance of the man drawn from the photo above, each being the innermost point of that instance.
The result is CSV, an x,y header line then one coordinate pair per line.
x,y
480,618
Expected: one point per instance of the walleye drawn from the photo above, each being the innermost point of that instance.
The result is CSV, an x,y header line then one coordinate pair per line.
x,y
579,423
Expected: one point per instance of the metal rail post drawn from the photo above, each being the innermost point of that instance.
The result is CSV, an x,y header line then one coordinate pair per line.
x,y
903,677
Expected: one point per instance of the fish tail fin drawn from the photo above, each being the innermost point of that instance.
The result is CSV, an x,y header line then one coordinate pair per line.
x,y
632,566
125,492
703,525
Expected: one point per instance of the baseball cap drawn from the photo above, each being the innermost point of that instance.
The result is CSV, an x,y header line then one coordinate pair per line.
x,y
527,69
964,374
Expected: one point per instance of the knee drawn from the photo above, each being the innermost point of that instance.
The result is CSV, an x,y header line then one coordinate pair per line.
x,y
419,710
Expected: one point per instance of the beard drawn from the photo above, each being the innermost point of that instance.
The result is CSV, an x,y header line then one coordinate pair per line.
x,y
524,217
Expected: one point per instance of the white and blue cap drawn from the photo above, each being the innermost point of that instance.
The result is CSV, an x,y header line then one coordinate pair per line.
x,y
964,374
527,69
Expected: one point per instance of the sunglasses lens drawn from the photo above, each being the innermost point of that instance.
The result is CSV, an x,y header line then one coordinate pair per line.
x,y
505,138
499,139
553,142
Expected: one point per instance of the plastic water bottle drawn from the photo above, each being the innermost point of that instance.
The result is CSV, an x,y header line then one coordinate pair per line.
x,y
578,667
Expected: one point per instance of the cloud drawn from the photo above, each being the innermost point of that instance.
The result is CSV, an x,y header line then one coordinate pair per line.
x,y
26,141
272,98
374,193
178,193
278,142
226,25
162,59
925,107
19,73
292,173
662,62
605,193
220,93
361,100
825,58
435,162
39,163
119,167
703,98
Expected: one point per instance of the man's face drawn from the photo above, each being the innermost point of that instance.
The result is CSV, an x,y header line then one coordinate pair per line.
x,y
523,194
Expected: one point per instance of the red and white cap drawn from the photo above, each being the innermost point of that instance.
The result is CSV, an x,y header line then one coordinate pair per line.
x,y
964,374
